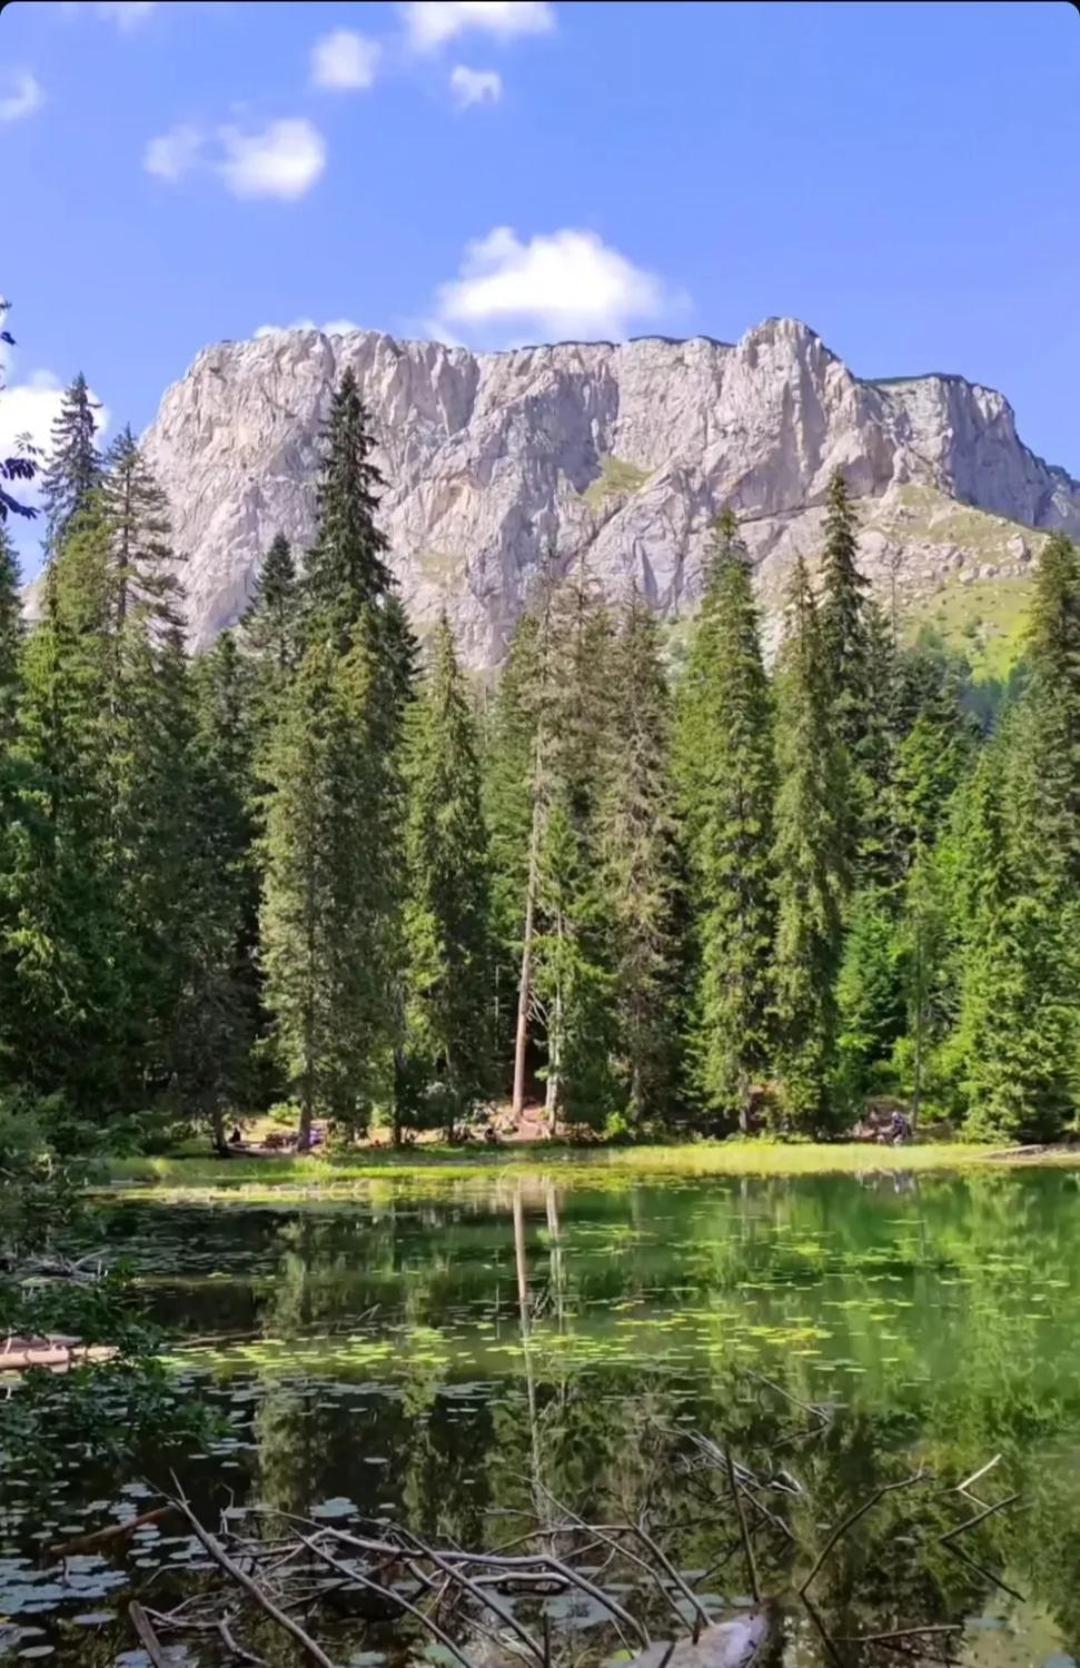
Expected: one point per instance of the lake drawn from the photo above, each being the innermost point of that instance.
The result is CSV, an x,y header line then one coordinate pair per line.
x,y
447,1354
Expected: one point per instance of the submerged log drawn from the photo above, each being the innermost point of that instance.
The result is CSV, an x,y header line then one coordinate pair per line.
x,y
57,1353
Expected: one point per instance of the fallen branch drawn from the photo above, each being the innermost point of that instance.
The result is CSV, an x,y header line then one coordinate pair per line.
x,y
850,1522
755,1585
252,1588
148,1639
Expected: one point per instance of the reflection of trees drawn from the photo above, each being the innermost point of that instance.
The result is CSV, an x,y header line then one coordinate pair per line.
x,y
966,1370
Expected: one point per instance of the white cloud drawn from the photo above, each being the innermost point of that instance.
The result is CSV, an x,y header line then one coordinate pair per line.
x,y
126,14
284,160
566,284
336,327
430,23
470,86
172,154
24,98
344,60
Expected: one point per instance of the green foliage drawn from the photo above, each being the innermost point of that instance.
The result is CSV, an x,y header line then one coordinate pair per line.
x,y
448,1027
811,864
74,470
639,850
727,783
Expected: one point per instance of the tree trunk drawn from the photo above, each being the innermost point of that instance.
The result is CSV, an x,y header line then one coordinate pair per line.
x,y
524,988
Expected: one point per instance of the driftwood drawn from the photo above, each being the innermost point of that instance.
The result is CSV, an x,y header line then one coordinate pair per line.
x,y
112,1532
281,1564
54,1351
148,1639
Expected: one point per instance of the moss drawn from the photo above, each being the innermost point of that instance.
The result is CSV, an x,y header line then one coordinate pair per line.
x,y
617,479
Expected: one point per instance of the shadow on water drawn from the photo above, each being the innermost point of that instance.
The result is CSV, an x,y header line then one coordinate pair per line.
x,y
459,1360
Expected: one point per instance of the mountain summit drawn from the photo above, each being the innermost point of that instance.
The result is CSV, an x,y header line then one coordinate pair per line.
x,y
623,452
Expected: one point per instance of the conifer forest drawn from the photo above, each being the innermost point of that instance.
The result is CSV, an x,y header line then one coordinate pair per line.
x,y
655,883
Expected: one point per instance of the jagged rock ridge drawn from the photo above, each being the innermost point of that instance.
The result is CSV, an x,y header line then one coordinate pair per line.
x,y
626,452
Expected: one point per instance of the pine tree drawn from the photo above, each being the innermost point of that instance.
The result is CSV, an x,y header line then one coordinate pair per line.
x,y
510,786
143,562
218,1013
1053,653
63,952
11,638
638,847
74,469
571,979
346,576
810,864
335,818
271,620
727,778
446,919
843,618
322,918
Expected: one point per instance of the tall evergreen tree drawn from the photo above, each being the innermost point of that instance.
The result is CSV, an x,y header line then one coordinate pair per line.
x,y
810,864
11,637
510,795
843,618
74,469
271,619
322,919
641,872
447,915
727,777
335,867
62,936
572,951
218,1014
144,564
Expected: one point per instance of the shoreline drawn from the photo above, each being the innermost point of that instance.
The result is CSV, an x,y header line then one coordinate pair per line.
x,y
688,1161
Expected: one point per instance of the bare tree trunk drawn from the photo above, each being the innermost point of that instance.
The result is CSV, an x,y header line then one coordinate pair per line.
x,y
525,986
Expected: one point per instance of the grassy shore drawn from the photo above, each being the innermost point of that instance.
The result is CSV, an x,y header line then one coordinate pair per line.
x,y
722,1158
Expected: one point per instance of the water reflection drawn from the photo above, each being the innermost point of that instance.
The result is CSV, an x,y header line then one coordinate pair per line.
x,y
460,1359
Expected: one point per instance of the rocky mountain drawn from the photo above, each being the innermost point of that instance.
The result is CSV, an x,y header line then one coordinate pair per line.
x,y
624,452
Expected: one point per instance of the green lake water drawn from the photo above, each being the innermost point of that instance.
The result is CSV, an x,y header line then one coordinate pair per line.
x,y
445,1356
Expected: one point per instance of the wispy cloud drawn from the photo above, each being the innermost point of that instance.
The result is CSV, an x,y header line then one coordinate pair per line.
x,y
431,23
345,61
25,96
336,327
472,86
563,284
284,159
171,155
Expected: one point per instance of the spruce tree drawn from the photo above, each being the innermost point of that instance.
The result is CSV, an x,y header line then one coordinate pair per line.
x,y
323,911
571,985
810,864
335,816
843,618
218,1013
446,918
74,469
510,785
638,846
11,638
271,623
143,562
63,944
727,780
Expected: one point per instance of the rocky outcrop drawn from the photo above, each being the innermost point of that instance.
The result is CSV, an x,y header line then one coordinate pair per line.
x,y
625,452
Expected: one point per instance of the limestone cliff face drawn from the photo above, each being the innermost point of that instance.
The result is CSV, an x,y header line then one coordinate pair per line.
x,y
626,452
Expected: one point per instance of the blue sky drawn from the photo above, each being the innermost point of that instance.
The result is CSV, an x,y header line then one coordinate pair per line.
x,y
903,177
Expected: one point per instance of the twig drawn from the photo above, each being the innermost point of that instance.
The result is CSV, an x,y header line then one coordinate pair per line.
x,y
987,1511
148,1639
987,1575
251,1587
662,1559
962,1488
899,1633
238,1650
850,1521
748,1549
486,1599
391,1593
